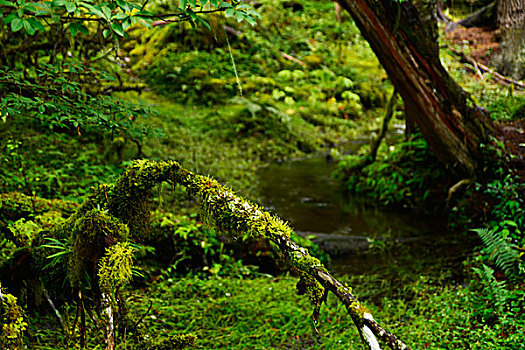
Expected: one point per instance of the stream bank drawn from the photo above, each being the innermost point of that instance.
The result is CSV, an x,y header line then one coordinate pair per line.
x,y
361,237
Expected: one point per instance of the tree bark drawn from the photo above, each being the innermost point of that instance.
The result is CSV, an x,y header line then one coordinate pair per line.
x,y
511,22
511,14
452,124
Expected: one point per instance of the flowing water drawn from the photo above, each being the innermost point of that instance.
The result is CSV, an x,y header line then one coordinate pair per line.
x,y
361,237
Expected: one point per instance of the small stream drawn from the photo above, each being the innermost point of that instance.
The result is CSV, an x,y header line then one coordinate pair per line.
x,y
360,237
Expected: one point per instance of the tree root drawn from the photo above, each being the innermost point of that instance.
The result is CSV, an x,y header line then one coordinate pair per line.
x,y
456,187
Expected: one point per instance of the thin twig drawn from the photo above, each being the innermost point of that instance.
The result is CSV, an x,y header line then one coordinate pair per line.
x,y
143,316
293,59
54,308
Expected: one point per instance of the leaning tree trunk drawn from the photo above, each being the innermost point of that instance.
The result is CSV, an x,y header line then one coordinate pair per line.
x,y
406,46
511,22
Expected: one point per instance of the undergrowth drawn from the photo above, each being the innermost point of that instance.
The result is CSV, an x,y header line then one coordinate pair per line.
x,y
406,175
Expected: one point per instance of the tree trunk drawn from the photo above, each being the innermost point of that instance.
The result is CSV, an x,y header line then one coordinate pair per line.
x,y
485,16
452,124
511,21
511,14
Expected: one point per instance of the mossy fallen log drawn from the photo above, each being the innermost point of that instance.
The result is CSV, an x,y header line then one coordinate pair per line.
x,y
117,213
228,212
16,205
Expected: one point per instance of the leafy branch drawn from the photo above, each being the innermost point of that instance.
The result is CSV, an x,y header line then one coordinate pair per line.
x,y
117,16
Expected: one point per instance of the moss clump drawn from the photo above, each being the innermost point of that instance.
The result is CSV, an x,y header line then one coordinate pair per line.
x,y
91,234
315,292
114,268
370,95
173,342
12,324
129,198
16,205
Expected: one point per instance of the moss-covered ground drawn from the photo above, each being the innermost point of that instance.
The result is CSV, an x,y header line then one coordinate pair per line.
x,y
197,281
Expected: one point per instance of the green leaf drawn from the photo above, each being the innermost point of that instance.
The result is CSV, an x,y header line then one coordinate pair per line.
x,y
16,24
43,11
106,32
123,5
206,24
78,27
57,3
10,18
28,27
230,12
251,20
7,3
147,22
126,24
71,7
36,24
120,15
240,16
83,29
73,28
30,7
57,254
117,28
94,9
107,12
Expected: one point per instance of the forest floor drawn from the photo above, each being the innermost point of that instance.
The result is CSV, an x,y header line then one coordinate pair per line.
x,y
195,282
483,45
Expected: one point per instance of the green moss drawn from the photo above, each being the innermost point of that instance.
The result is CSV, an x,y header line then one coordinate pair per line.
x,y
313,61
16,205
315,292
114,268
371,96
90,236
173,342
12,324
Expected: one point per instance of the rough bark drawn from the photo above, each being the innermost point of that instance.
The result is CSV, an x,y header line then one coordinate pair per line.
x,y
511,14
511,22
452,124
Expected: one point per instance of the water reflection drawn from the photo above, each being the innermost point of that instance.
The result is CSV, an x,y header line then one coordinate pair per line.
x,y
304,193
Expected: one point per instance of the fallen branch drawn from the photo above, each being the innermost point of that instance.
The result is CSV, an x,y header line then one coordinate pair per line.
x,y
456,187
483,16
123,208
226,211
481,67
293,59
57,313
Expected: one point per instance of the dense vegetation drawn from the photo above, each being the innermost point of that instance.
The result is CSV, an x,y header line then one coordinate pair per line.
x,y
89,260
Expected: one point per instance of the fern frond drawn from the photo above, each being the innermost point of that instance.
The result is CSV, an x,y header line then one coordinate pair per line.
x,y
504,254
494,291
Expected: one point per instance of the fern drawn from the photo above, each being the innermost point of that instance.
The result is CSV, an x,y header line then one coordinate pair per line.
x,y
499,250
494,292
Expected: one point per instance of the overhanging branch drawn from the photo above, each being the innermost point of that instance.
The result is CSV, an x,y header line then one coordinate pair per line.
x,y
228,212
